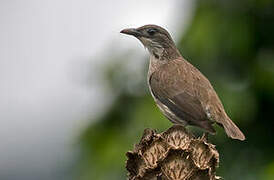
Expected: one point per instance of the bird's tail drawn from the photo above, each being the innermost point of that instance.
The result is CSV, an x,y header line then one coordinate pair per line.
x,y
232,130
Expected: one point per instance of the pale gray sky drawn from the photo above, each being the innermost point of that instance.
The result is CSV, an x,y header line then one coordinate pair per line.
x,y
42,103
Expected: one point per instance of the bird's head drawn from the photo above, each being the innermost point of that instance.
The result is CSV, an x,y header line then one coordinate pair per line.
x,y
155,38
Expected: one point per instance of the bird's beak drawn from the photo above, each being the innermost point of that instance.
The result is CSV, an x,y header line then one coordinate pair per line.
x,y
131,31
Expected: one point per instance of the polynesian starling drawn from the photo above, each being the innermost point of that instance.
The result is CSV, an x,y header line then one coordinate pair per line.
x,y
180,90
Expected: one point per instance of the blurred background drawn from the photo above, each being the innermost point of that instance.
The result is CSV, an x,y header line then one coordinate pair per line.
x,y
73,92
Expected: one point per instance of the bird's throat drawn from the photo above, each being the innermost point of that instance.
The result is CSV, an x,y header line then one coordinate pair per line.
x,y
164,54
154,64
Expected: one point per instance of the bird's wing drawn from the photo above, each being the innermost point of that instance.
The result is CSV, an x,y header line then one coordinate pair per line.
x,y
180,86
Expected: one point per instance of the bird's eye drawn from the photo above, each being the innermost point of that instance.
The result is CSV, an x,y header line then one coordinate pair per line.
x,y
151,31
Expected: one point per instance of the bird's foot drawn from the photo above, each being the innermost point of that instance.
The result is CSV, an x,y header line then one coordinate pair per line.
x,y
205,136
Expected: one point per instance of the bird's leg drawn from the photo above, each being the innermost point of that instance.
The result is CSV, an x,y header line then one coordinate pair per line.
x,y
206,136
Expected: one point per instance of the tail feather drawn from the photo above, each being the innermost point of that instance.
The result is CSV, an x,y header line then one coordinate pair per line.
x,y
232,130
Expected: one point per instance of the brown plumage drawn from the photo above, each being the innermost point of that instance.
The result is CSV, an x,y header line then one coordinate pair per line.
x,y
181,91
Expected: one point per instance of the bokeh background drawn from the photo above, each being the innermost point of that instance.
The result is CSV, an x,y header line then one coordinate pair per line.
x,y
73,90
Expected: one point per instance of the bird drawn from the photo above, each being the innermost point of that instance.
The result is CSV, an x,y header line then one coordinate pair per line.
x,y
182,93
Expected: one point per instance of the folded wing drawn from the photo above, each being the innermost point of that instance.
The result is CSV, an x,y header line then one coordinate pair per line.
x,y
175,85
